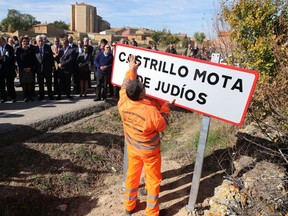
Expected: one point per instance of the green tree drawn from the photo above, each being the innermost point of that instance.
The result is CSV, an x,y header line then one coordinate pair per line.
x,y
17,21
61,24
259,31
164,37
170,39
199,38
256,27
156,36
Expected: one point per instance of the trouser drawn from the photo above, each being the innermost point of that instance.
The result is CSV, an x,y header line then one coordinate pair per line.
x,y
110,86
102,80
48,78
152,169
116,91
7,81
76,81
27,90
56,81
65,83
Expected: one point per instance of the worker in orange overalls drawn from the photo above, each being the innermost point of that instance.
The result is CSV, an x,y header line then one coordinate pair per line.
x,y
142,119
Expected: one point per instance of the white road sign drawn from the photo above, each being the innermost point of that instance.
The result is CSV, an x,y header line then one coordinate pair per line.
x,y
215,90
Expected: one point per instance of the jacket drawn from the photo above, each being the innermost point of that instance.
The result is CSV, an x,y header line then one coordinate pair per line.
x,y
44,63
102,60
143,121
68,60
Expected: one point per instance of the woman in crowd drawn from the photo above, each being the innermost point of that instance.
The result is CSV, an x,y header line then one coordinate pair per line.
x,y
25,58
84,62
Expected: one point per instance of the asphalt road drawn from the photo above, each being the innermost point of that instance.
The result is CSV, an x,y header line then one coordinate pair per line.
x,y
21,120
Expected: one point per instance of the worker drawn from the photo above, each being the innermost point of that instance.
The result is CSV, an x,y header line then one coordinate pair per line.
x,y
143,120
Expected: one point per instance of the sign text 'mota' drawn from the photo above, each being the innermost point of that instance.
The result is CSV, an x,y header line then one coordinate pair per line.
x,y
212,89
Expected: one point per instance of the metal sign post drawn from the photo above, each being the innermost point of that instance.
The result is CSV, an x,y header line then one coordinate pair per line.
x,y
212,89
200,153
199,163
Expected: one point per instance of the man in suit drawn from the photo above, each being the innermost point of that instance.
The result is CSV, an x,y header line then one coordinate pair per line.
x,y
7,71
32,44
44,67
76,83
67,66
90,52
57,53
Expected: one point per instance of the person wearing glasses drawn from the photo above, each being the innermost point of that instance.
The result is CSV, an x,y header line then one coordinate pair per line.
x,y
84,63
103,62
26,59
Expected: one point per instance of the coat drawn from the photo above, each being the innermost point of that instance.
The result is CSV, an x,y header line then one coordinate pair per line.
x,y
68,60
45,62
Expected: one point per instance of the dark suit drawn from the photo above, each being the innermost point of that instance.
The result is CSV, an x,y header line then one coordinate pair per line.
x,y
68,66
56,74
7,73
34,73
44,65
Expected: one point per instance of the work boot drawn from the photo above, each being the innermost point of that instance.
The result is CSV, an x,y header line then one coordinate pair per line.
x,y
128,213
143,191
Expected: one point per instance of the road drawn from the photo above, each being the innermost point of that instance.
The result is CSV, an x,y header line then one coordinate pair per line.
x,y
22,120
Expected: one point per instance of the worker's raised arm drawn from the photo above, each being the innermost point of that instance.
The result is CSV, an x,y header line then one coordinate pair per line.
x,y
131,74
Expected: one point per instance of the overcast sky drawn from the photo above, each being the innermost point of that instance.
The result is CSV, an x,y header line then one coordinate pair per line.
x,y
181,16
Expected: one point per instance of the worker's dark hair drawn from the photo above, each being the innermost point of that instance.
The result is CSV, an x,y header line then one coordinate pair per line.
x,y
103,41
134,89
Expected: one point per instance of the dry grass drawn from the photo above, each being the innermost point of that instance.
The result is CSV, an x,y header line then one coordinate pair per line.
x,y
69,164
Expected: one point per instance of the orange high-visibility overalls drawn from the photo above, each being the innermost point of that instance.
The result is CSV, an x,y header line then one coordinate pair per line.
x,y
142,122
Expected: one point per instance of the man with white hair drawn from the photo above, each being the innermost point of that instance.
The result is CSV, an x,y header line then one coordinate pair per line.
x,y
46,41
44,67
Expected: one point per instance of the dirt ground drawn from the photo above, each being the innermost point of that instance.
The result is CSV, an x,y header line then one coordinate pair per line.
x,y
76,170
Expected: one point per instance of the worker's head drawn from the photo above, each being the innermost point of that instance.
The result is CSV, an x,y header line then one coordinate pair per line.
x,y
135,90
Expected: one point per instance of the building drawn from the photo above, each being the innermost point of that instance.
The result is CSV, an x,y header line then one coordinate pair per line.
x,y
84,18
49,30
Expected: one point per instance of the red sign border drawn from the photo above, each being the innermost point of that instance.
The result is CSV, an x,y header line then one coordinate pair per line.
x,y
205,62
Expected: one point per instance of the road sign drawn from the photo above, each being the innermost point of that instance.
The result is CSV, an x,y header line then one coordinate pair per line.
x,y
212,89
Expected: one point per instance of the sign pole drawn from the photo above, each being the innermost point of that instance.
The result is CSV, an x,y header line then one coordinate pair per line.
x,y
199,163
200,153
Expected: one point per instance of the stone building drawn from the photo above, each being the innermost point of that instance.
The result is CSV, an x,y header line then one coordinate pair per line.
x,y
49,30
84,18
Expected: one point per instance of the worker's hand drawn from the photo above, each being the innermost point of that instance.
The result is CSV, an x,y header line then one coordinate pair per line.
x,y
171,103
132,63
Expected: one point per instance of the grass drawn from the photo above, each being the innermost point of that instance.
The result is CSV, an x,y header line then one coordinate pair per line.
x,y
42,183
68,178
81,152
73,166
181,138
88,128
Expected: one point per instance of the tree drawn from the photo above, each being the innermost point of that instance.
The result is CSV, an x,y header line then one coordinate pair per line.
x,y
28,21
256,27
170,39
156,36
259,31
61,24
17,21
199,37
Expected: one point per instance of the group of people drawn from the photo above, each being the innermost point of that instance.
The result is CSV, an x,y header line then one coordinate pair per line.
x,y
56,65
190,51
63,67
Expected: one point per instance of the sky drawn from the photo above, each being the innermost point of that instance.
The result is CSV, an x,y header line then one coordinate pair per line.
x,y
181,16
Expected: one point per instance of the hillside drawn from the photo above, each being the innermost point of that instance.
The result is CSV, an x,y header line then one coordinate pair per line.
x,y
77,170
